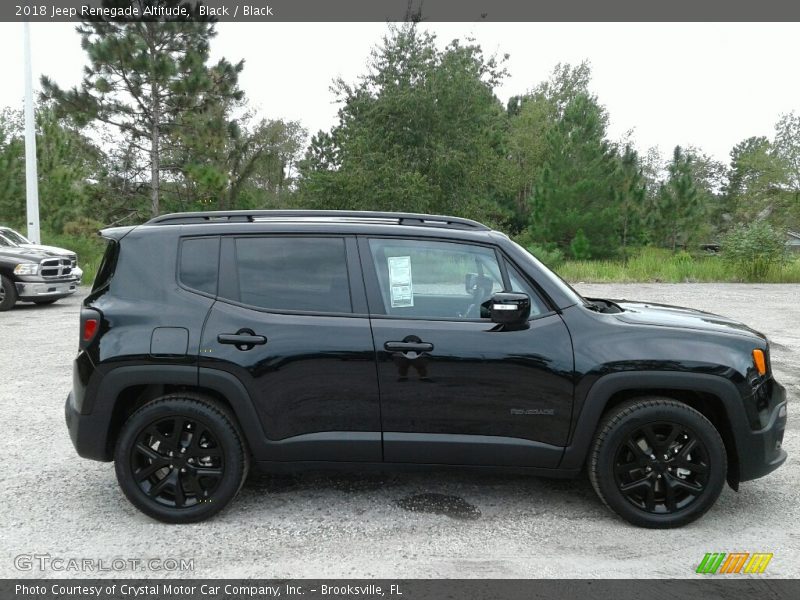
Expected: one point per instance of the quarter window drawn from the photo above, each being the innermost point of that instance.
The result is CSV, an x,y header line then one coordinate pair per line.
x,y
293,273
199,260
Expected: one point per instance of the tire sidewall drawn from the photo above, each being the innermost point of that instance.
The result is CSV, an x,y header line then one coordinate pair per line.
x,y
652,413
223,431
11,293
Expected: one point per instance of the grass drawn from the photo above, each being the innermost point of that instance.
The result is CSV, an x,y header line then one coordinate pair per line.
x,y
657,265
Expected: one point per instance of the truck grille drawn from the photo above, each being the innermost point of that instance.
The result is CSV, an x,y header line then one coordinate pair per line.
x,y
52,268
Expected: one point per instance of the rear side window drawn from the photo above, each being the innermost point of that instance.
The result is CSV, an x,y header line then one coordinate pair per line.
x,y
293,273
106,269
199,263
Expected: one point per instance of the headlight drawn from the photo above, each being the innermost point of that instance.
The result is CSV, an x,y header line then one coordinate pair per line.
x,y
26,269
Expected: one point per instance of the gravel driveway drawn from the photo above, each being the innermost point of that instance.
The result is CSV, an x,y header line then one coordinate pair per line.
x,y
391,525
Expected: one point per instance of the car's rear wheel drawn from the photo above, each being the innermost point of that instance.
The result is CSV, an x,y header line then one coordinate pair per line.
x,y
8,293
657,462
181,458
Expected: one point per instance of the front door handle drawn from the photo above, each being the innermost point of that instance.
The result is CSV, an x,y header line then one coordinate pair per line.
x,y
244,339
410,349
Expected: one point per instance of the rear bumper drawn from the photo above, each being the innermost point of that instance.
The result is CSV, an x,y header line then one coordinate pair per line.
x,y
760,451
87,432
27,290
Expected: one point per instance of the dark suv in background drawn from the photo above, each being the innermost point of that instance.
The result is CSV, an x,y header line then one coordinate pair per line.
x,y
216,341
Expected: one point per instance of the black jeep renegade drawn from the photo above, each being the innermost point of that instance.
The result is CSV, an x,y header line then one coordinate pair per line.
x,y
216,341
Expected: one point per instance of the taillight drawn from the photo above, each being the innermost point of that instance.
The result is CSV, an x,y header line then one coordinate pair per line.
x,y
90,325
89,329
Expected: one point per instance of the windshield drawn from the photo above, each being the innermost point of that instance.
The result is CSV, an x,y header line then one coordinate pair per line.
x,y
13,236
566,288
5,242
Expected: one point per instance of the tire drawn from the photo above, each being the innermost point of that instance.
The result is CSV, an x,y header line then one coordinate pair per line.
x,y
8,293
657,463
174,485
44,302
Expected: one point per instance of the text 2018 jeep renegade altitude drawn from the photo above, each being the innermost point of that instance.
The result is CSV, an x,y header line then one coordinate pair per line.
x,y
213,341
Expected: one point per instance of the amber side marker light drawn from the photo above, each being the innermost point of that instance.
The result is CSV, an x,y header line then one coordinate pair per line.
x,y
759,361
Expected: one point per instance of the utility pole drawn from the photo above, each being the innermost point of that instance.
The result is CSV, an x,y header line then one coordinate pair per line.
x,y
31,174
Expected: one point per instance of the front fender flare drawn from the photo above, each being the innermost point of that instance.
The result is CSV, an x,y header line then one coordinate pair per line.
x,y
604,388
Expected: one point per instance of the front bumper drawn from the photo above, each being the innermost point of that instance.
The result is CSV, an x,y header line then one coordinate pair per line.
x,y
27,290
760,452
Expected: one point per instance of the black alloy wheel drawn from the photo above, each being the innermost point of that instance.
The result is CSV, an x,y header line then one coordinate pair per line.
x,y
178,462
181,458
662,467
657,462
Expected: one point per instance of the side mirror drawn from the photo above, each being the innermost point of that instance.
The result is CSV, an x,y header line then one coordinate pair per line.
x,y
509,308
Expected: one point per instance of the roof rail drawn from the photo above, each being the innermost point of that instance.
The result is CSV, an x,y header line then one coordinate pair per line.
x,y
356,216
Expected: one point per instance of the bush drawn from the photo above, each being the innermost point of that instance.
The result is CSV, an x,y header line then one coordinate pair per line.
x,y
549,255
580,246
82,226
754,250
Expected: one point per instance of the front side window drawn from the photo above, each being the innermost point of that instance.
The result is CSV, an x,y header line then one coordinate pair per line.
x,y
293,273
432,279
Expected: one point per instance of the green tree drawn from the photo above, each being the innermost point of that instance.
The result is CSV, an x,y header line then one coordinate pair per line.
x,y
758,186
68,166
630,194
421,130
677,205
575,188
12,168
232,162
142,77
787,149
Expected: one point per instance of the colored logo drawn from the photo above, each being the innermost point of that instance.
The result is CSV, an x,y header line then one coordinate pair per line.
x,y
720,563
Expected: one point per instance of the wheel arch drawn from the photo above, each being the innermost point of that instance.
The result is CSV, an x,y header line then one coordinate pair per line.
x,y
714,397
124,390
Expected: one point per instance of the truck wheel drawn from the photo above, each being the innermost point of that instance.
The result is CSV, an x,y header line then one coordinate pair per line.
x,y
181,458
657,463
8,293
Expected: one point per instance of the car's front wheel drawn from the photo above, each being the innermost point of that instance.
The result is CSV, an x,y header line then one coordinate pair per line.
x,y
657,462
8,293
181,458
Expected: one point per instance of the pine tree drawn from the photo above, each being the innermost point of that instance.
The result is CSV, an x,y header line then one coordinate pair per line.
x,y
678,204
142,77
630,194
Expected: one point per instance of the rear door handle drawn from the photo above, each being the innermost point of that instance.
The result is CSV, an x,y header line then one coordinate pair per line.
x,y
404,347
244,339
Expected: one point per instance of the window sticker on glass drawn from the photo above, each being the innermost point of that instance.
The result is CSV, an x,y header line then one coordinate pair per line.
x,y
401,289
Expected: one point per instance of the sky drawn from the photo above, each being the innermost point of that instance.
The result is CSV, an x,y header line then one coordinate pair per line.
x,y
709,85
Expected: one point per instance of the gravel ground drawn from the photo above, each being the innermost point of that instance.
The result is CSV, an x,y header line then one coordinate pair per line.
x,y
389,525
